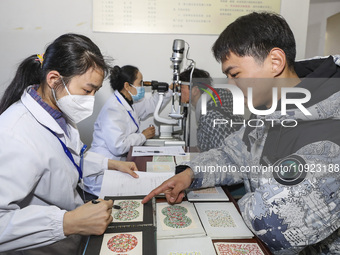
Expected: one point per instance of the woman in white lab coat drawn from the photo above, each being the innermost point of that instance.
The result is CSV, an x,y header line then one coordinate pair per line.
x,y
118,126
41,156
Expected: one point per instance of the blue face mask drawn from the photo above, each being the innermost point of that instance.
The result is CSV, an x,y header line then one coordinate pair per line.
x,y
140,93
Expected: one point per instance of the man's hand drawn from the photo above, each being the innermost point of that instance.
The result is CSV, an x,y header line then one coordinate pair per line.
x,y
173,188
123,166
88,219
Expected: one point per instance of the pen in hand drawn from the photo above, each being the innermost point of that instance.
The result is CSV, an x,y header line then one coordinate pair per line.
x,y
114,206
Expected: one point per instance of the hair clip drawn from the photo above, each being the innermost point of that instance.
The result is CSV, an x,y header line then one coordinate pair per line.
x,y
40,58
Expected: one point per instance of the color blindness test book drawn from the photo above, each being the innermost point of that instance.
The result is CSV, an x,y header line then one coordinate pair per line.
x,y
132,230
176,221
192,246
160,167
128,211
223,248
207,194
222,221
136,241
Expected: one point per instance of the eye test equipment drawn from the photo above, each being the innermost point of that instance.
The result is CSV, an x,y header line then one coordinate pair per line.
x,y
175,129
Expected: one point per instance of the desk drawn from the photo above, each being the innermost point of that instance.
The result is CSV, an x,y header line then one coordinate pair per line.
x,y
141,164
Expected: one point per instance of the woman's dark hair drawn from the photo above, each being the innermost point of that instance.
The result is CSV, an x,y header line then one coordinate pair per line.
x,y
69,54
256,34
120,75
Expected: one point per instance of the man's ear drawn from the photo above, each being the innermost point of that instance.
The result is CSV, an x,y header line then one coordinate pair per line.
x,y
52,78
278,61
195,91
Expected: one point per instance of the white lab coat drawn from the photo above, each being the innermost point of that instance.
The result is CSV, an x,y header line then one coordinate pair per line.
x,y
37,179
115,131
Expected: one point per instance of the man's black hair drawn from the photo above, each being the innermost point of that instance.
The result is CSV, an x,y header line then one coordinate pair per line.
x,y
199,77
255,35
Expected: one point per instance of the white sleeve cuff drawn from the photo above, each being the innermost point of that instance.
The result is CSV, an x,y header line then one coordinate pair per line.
x,y
57,222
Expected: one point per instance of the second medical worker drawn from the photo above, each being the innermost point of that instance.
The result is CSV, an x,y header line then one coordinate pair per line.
x,y
118,126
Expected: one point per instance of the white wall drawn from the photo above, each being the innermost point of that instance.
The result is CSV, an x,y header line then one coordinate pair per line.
x,y
26,27
332,39
320,10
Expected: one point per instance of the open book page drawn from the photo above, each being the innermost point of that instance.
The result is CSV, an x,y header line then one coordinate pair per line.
x,y
222,221
192,246
116,183
160,167
207,194
238,248
180,220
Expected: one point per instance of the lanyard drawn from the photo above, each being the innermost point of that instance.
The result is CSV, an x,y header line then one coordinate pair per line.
x,y
69,155
129,114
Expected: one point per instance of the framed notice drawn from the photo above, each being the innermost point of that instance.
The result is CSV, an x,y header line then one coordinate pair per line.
x,y
173,16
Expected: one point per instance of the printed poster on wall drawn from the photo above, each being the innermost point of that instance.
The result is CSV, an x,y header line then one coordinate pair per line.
x,y
173,16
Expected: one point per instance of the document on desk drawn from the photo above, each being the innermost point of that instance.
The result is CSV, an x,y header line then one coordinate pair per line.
x,y
116,183
162,150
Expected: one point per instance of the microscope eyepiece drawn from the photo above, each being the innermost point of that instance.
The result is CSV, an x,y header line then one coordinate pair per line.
x,y
159,86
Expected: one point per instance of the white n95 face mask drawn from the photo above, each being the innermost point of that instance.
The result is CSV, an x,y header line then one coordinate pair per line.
x,y
75,107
